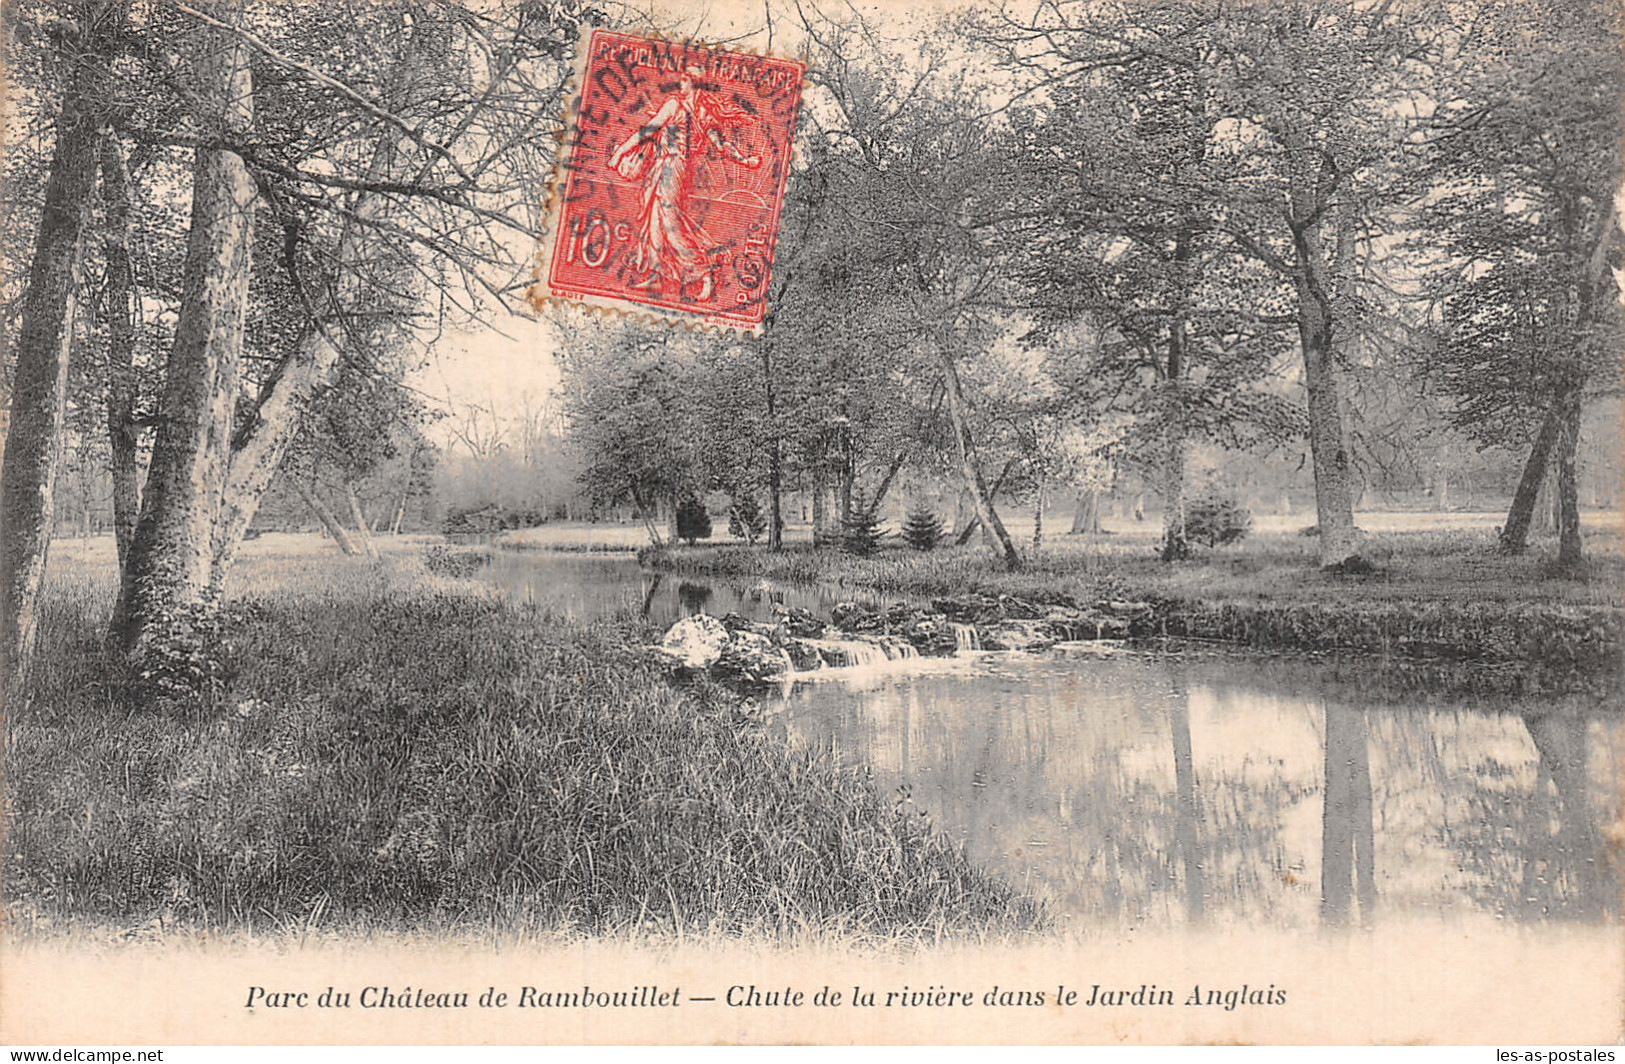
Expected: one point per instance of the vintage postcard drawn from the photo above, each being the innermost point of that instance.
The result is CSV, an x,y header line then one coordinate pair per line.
x,y
1128,550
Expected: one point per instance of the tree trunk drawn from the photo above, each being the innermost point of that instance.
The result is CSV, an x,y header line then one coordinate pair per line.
x,y
1175,545
358,517
44,341
1570,548
120,312
259,447
775,475
1086,518
980,497
1328,439
1515,532
825,514
968,526
171,566
329,520
1038,517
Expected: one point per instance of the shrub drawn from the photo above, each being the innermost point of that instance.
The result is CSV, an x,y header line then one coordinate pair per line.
x,y
1216,520
862,535
693,521
923,529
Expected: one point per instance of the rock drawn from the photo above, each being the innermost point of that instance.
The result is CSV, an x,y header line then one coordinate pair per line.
x,y
1018,609
852,617
735,623
1131,610
1018,635
932,633
752,657
695,642
799,622
805,658
966,609
1075,624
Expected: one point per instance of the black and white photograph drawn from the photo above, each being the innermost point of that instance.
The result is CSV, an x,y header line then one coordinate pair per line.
x,y
570,522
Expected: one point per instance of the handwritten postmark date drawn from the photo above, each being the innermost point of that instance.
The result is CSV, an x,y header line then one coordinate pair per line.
x,y
674,177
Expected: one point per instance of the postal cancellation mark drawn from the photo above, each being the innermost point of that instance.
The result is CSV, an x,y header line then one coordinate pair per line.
x,y
675,169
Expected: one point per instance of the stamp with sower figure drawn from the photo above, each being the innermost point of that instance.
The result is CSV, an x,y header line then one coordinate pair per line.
x,y
674,174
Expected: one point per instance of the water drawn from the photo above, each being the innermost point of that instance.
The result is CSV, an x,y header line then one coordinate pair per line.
x,y
1143,790
587,587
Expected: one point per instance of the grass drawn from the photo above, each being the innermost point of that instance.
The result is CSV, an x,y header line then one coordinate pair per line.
x,y
400,753
1442,592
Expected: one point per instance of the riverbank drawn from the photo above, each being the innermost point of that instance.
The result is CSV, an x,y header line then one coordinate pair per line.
x,y
1441,594
392,752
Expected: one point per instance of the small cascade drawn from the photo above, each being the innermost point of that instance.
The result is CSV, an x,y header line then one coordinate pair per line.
x,y
966,638
853,652
901,649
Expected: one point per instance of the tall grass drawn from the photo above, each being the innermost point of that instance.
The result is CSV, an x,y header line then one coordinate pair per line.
x,y
413,756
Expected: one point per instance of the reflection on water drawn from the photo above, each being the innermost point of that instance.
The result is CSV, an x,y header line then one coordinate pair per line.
x,y
586,587
1139,790
1143,790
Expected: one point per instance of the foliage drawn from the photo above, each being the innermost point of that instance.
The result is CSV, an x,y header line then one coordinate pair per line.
x,y
745,518
1216,519
861,534
923,528
693,520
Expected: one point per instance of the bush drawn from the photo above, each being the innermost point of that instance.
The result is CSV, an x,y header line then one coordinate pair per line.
x,y
1216,520
745,519
863,535
923,529
693,521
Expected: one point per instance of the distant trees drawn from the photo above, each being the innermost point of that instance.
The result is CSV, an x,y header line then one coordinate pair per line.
x,y
1522,237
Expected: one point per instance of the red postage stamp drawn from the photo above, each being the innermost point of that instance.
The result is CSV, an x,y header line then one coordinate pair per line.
x,y
674,173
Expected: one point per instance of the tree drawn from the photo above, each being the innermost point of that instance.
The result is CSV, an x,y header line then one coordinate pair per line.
x,y
627,404
1525,149
693,521
1269,119
923,529
399,186
38,393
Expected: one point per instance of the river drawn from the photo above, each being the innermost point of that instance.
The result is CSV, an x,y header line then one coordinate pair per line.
x,y
1147,788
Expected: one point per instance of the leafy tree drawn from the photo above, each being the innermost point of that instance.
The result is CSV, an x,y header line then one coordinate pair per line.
x,y
1522,234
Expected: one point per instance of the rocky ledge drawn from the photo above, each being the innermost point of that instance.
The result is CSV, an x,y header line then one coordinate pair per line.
x,y
797,641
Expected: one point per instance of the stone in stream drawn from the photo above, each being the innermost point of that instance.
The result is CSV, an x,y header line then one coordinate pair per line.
x,y
932,634
799,622
694,642
805,658
967,609
752,657
1075,624
1018,635
852,617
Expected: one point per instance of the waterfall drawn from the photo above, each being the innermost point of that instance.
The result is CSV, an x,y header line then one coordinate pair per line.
x,y
901,649
966,638
853,652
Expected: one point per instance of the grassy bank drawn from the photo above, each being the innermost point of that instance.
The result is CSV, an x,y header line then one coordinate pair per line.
x,y
396,753
1441,593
